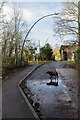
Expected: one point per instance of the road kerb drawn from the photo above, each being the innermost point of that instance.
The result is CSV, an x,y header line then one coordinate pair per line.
x,y
25,97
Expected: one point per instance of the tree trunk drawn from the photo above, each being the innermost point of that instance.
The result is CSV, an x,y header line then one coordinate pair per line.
x,y
15,44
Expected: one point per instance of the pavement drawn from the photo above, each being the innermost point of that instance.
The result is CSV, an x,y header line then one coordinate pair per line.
x,y
13,105
70,77
0,99
0,90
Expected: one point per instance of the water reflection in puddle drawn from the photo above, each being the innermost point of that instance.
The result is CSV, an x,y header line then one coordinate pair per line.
x,y
54,100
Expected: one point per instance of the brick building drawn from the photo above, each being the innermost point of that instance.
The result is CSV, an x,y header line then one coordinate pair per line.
x,y
68,51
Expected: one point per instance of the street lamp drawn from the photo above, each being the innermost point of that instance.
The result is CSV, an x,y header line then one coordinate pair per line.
x,y
31,29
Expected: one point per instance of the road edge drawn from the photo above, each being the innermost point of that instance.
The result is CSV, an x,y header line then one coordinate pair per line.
x,y
25,97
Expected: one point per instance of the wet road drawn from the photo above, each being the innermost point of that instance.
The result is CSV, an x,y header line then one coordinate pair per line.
x,y
54,101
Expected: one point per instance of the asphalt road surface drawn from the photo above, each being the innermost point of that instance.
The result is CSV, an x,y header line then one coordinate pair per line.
x,y
54,101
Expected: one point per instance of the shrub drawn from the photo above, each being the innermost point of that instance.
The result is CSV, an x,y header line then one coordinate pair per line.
x,y
77,58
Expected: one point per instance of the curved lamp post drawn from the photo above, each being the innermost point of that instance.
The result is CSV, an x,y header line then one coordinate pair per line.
x,y
31,29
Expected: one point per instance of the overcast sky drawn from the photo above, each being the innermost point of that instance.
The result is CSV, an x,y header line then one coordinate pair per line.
x,y
32,11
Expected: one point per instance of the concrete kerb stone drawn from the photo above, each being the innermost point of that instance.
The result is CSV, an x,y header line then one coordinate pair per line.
x,y
29,104
25,97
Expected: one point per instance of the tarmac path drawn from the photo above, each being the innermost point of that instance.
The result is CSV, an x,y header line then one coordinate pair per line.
x,y
13,105
0,98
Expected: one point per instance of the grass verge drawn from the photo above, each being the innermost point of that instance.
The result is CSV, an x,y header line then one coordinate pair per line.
x,y
72,64
35,63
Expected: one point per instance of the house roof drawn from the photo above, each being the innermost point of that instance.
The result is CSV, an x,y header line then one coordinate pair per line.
x,y
64,46
71,45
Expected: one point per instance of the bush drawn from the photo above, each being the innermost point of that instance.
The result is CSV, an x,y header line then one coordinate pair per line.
x,y
9,65
77,58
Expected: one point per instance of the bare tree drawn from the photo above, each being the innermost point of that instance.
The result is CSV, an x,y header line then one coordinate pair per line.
x,y
67,21
1,22
1,12
13,34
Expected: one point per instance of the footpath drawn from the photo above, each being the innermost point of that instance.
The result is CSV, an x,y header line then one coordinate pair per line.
x,y
0,99
70,78
13,104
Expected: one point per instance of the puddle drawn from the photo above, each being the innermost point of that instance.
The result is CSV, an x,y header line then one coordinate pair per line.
x,y
54,101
